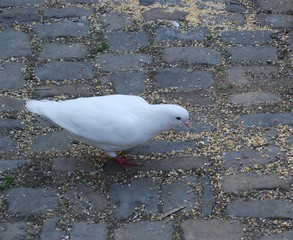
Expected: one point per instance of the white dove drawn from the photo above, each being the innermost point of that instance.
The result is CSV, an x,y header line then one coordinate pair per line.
x,y
112,123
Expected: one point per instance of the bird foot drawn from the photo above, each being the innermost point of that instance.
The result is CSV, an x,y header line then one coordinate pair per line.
x,y
126,161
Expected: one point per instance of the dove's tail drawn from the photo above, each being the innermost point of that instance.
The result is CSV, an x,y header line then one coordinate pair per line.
x,y
36,106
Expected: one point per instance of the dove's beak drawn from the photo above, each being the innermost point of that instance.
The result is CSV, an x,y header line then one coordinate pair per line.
x,y
187,123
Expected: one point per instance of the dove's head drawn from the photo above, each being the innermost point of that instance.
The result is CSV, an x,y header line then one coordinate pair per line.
x,y
178,115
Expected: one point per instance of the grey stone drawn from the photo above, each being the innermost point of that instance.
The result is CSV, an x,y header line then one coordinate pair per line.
x,y
236,19
19,15
193,55
159,13
164,2
67,12
60,71
74,89
10,164
276,209
11,76
10,104
63,29
123,41
275,21
167,164
85,199
83,1
266,120
207,197
290,39
179,194
82,230
14,231
234,6
161,147
112,62
139,192
247,156
55,51
287,235
247,37
126,83
170,34
69,164
50,231
14,44
242,182
116,21
253,98
242,75
58,141
196,98
183,80
290,140
8,3
10,124
31,200
284,6
252,54
208,229
7,143
152,230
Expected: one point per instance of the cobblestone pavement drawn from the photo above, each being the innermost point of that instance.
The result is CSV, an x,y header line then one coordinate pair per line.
x,y
228,62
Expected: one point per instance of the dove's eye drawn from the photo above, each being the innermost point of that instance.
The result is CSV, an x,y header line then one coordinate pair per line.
x,y
178,118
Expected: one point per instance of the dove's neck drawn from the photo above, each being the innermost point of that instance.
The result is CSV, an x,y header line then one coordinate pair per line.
x,y
160,117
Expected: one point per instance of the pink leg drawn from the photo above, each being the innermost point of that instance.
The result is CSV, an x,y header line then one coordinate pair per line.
x,y
126,161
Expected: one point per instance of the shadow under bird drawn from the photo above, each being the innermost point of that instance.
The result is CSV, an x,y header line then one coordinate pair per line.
x,y
112,123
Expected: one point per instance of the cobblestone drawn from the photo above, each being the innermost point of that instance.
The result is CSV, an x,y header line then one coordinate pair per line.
x,y
10,164
67,12
11,76
84,199
55,51
19,15
58,141
153,230
253,54
242,182
126,83
170,35
122,41
287,235
64,70
67,164
74,89
262,119
125,200
122,62
31,200
252,98
261,209
82,230
180,78
247,37
49,230
14,44
192,55
275,21
207,230
64,29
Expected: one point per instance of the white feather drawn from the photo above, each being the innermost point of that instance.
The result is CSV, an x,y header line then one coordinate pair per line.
x,y
111,123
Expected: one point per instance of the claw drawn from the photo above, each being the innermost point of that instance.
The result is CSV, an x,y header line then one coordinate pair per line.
x,y
126,161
